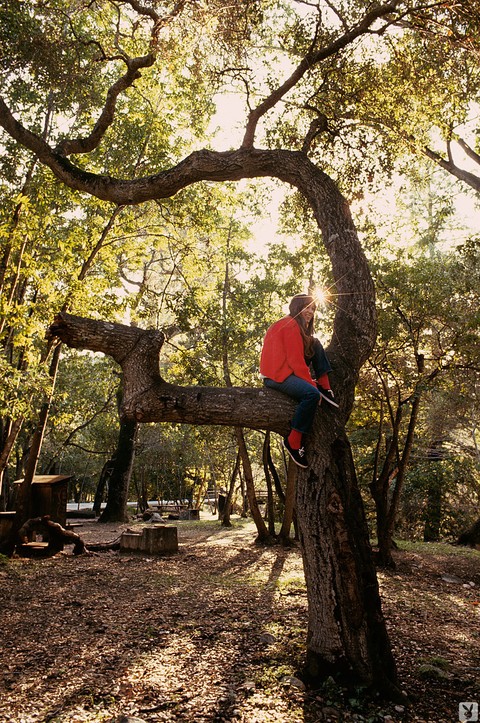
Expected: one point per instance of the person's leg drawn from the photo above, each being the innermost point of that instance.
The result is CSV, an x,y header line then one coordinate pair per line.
x,y
305,394
319,361
308,398
321,367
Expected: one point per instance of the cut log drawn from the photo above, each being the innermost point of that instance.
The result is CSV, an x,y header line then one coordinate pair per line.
x,y
53,534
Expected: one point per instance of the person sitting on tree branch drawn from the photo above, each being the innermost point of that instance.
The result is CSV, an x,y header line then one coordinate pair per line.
x,y
289,349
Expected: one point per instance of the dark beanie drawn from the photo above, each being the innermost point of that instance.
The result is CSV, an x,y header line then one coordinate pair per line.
x,y
299,302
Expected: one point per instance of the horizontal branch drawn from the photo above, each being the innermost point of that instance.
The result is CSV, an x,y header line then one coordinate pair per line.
x,y
147,397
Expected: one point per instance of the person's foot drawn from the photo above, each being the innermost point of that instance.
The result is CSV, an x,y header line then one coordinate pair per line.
x,y
327,394
298,455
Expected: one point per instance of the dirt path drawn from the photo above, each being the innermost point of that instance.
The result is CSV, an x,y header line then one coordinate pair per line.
x,y
216,633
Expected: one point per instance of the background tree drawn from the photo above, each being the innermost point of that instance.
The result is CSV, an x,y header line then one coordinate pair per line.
x,y
426,359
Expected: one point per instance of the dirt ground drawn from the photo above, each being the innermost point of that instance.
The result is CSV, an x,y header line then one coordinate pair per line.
x,y
217,633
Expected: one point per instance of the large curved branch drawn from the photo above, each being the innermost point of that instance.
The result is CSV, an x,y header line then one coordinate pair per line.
x,y
354,326
201,165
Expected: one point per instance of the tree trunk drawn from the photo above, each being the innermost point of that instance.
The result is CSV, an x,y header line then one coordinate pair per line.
x,y
228,502
116,508
105,475
23,502
471,537
384,518
263,535
244,512
286,498
395,463
385,533
346,632
276,478
289,502
270,507
433,510
141,491
11,432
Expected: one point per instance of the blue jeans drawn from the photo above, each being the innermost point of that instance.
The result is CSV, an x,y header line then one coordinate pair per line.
x,y
305,393
319,361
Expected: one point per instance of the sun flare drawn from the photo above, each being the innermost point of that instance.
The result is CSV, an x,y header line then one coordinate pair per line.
x,y
321,296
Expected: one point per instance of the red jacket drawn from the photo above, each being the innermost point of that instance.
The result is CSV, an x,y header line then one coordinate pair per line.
x,y
283,353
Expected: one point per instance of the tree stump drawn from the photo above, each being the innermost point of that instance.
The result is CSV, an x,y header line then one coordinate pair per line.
x,y
153,540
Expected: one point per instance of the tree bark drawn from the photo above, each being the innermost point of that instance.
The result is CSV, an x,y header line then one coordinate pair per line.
x,y
263,533
231,487
289,508
395,463
433,507
270,507
346,629
148,398
471,537
116,508
387,506
274,472
9,438
23,502
380,485
105,475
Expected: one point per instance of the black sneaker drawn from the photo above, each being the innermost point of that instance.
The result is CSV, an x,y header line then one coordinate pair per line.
x,y
327,394
298,455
